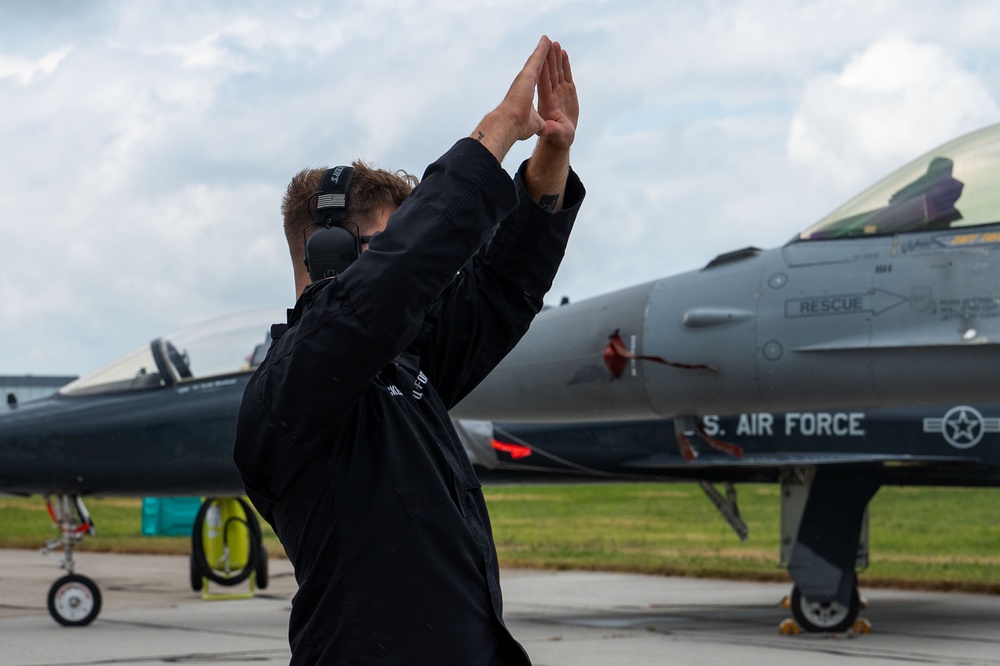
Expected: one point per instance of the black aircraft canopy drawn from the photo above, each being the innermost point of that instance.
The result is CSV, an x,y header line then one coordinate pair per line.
x,y
221,346
952,186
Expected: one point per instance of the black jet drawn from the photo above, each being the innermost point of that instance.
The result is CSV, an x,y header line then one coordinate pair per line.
x,y
158,422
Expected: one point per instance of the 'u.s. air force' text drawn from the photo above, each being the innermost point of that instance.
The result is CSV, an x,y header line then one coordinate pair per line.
x,y
805,424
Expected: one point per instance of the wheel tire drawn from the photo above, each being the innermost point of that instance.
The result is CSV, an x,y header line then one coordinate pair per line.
x,y
74,601
199,562
829,616
261,570
197,582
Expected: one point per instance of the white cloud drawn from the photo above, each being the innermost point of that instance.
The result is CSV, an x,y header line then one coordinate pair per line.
x,y
144,164
887,105
25,71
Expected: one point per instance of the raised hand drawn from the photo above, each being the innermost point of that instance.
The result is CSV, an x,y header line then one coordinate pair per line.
x,y
558,105
559,109
516,118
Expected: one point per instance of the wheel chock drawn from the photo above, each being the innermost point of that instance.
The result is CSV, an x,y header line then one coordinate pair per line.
x,y
789,627
861,626
207,595
786,602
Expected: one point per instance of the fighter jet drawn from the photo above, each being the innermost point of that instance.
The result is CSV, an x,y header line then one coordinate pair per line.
x,y
158,422
892,299
889,301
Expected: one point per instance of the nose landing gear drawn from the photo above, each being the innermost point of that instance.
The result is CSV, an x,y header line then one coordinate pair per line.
x,y
74,600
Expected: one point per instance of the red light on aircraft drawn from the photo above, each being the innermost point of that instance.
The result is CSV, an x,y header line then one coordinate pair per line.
x,y
516,451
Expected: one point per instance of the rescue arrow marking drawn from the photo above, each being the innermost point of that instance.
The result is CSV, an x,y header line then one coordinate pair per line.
x,y
875,302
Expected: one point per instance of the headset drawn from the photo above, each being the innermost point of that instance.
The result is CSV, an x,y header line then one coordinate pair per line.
x,y
332,248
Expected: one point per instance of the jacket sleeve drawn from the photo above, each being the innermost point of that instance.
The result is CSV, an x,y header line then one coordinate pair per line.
x,y
489,307
354,325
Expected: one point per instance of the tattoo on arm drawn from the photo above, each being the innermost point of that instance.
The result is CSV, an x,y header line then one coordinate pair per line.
x,y
548,201
480,137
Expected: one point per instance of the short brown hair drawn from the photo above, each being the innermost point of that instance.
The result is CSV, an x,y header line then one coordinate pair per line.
x,y
372,191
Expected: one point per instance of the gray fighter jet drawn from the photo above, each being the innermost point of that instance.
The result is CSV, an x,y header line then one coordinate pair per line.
x,y
892,300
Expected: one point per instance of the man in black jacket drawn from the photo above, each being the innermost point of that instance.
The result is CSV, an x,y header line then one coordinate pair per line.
x,y
344,441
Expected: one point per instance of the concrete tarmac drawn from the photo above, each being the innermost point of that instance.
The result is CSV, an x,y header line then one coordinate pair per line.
x,y
151,616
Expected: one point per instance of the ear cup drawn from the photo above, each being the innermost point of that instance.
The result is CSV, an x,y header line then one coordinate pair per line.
x,y
330,250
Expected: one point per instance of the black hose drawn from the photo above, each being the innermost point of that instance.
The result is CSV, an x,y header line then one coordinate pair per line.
x,y
198,558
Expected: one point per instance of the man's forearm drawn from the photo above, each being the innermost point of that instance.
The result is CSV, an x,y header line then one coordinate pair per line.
x,y
545,176
497,132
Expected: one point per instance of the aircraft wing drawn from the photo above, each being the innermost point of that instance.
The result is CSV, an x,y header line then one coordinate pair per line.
x,y
768,466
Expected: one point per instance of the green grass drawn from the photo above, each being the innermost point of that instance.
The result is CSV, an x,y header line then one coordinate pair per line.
x,y
927,538
25,523
943,538
652,528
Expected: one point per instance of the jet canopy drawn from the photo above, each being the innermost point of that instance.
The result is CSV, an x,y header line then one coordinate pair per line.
x,y
222,346
953,186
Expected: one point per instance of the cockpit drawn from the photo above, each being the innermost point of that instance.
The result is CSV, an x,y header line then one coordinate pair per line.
x,y
954,186
223,346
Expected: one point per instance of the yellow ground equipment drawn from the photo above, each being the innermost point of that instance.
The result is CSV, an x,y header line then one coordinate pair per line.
x,y
226,547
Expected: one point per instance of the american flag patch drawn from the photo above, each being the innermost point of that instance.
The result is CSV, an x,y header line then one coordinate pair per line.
x,y
331,200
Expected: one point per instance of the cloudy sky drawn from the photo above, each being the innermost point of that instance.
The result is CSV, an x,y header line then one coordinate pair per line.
x,y
146,144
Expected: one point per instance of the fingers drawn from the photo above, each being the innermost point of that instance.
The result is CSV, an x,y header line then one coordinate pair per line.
x,y
516,119
564,69
557,61
548,77
538,57
556,75
522,90
520,97
552,65
541,49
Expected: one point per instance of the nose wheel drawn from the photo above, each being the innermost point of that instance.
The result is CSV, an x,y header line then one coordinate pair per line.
x,y
827,616
74,601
